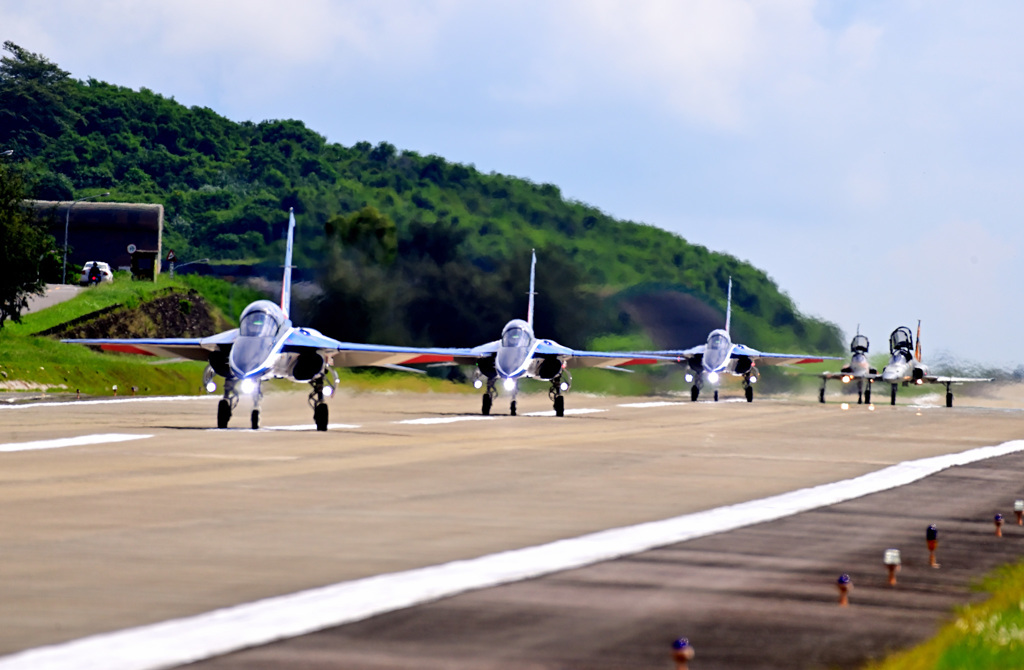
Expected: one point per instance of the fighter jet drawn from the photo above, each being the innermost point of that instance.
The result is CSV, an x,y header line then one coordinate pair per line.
x,y
720,355
859,368
268,345
520,354
905,365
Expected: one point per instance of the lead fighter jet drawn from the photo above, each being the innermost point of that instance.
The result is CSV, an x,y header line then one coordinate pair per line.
x,y
268,345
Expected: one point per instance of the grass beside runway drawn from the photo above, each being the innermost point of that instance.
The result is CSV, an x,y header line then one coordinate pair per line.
x,y
982,637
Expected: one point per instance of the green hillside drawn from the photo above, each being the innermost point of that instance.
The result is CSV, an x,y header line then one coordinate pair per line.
x,y
391,235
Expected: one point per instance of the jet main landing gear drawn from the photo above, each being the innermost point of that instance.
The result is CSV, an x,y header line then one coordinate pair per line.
x,y
227,403
319,405
559,384
489,395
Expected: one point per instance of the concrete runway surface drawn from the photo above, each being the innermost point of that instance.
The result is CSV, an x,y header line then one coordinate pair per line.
x,y
183,519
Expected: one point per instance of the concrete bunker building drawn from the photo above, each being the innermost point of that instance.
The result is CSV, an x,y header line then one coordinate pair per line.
x,y
105,231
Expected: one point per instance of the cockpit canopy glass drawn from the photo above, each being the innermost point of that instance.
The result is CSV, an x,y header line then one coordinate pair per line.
x,y
900,339
258,324
514,337
859,344
718,341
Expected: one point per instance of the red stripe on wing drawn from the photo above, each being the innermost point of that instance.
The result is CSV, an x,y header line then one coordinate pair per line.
x,y
126,349
429,358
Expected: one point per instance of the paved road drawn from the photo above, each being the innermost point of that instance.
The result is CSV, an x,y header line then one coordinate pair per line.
x,y
55,293
106,536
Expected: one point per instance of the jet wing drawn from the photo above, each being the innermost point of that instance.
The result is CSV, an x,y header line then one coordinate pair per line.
x,y
351,354
766,358
675,355
192,348
576,358
850,375
934,379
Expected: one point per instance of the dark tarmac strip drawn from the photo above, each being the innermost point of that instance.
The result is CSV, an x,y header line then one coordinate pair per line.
x,y
759,597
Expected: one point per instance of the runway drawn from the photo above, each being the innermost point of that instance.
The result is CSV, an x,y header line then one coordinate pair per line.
x,y
106,536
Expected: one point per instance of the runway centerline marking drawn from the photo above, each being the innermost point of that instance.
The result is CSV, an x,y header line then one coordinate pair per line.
x,y
582,410
191,639
446,419
61,443
659,403
105,401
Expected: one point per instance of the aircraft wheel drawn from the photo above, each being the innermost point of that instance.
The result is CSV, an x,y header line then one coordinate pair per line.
x,y
485,409
694,392
821,396
867,397
893,401
860,398
320,413
560,405
255,419
949,399
749,392
512,409
223,413
716,395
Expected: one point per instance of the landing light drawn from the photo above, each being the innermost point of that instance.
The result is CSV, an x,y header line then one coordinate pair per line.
x,y
564,386
247,386
919,381
510,384
753,379
713,377
689,378
328,391
846,379
478,383
211,386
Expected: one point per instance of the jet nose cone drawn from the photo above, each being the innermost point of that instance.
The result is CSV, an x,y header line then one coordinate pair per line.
x,y
509,360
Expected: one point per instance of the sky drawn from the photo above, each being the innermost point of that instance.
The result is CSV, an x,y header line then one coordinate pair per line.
x,y
866,155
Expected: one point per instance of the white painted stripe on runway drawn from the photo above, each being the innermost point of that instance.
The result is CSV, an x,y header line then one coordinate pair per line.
x,y
195,638
551,412
103,438
447,419
312,426
105,401
660,403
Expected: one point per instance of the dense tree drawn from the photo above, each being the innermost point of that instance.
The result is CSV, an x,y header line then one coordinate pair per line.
x,y
424,229
33,95
24,246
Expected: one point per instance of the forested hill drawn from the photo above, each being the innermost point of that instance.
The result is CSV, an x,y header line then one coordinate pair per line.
x,y
387,229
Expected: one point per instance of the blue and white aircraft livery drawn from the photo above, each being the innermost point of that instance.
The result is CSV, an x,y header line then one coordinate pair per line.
x,y
519,355
706,363
268,345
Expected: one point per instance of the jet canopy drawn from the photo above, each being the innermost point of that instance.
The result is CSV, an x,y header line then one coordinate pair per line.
x,y
859,344
261,319
516,334
901,340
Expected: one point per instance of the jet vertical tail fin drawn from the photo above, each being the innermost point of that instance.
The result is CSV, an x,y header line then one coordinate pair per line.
x,y
728,308
286,284
533,272
917,346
